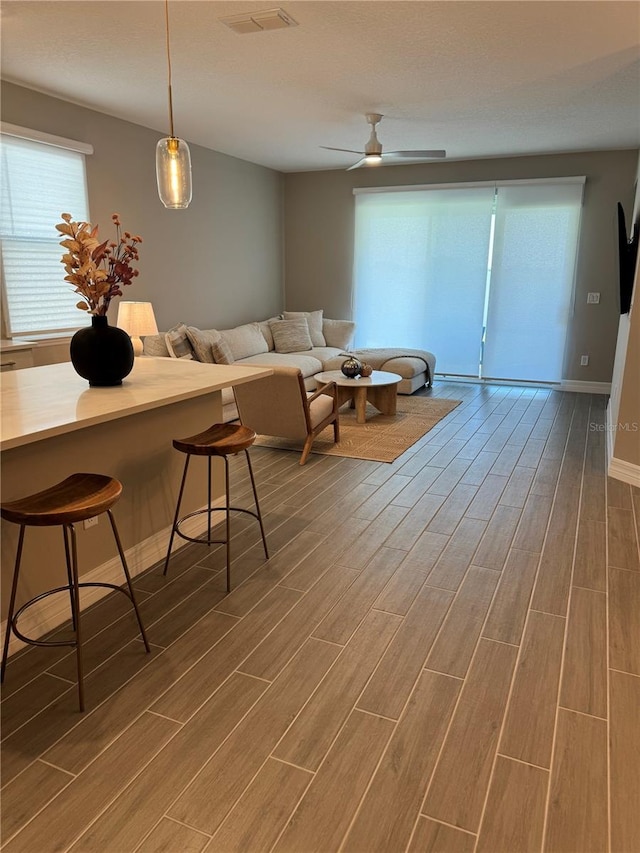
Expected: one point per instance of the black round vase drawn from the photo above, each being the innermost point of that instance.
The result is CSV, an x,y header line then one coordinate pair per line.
x,y
101,353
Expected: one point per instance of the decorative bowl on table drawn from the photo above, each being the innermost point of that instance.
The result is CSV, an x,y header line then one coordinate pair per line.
x,y
351,367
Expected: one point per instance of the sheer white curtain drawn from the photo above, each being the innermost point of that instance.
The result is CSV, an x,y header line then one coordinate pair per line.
x,y
531,284
420,272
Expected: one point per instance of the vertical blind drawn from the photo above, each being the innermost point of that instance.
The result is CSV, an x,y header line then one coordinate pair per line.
x,y
448,269
39,182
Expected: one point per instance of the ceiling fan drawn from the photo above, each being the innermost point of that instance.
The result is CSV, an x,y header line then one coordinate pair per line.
x,y
373,155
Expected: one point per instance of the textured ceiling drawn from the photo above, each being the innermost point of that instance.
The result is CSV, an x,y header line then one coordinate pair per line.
x,y
480,79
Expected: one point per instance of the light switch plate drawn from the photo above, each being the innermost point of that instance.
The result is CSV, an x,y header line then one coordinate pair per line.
x,y
593,298
584,360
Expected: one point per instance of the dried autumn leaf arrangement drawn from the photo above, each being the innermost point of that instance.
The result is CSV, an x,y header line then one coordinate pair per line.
x,y
97,269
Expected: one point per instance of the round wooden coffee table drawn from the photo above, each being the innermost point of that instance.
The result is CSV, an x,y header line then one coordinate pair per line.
x,y
380,389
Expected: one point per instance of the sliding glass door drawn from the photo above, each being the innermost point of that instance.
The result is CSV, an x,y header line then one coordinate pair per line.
x,y
480,275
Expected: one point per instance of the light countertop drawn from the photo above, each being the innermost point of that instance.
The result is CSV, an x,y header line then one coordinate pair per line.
x,y
40,402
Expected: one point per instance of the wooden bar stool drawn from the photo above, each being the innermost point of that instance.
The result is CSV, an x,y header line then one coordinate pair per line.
x,y
75,499
221,440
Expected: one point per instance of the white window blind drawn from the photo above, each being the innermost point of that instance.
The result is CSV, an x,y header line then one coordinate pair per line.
x,y
420,272
481,275
39,182
532,273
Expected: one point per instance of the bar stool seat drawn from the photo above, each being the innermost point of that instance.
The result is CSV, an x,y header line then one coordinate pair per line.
x,y
77,498
219,440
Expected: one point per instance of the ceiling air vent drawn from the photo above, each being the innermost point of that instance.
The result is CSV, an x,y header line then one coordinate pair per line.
x,y
257,22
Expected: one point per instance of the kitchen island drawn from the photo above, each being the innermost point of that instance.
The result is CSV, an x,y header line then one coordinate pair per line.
x,y
53,424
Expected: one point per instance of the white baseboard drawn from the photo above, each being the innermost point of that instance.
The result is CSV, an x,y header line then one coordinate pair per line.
x,y
584,387
53,611
565,385
625,471
609,434
619,468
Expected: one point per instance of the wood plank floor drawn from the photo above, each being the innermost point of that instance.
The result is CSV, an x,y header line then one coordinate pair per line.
x,y
442,654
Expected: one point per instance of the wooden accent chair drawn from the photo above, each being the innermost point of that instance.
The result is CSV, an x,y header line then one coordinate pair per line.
x,y
279,405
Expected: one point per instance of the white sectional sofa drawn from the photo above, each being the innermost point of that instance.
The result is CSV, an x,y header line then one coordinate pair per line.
x,y
305,340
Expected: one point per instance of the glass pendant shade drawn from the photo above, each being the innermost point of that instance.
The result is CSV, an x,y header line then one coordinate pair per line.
x,y
173,171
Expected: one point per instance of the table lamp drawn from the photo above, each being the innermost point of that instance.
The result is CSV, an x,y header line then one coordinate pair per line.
x,y
137,318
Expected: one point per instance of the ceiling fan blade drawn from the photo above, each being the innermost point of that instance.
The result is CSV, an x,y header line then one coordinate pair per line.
x,y
358,165
348,150
415,155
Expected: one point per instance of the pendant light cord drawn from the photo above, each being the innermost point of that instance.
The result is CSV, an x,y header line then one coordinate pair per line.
x,y
166,14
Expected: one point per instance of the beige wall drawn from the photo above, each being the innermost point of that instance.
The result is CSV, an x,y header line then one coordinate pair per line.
x,y
319,237
216,264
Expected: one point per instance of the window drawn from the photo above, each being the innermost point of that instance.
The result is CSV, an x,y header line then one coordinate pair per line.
x,y
481,275
39,181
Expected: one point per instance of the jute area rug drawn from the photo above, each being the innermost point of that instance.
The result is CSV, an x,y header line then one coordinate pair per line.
x,y
382,438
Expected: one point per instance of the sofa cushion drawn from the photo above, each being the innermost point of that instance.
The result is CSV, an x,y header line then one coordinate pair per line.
x,y
221,352
405,366
314,321
306,362
244,341
325,354
201,341
178,342
291,335
338,333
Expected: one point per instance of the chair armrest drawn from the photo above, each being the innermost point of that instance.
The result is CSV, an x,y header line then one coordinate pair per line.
x,y
328,388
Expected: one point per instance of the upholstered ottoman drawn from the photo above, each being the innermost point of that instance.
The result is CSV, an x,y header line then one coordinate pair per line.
x,y
417,367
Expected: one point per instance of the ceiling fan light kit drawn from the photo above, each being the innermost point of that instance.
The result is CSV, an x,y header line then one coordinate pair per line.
x,y
374,156
173,158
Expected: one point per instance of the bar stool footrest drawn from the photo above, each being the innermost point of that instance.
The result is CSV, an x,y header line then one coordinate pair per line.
x,y
66,588
200,540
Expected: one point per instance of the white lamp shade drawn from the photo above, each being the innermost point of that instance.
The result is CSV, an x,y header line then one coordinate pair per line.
x,y
137,318
173,172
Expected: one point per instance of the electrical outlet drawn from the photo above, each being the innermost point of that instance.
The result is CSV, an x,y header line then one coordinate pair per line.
x,y
90,522
593,298
584,360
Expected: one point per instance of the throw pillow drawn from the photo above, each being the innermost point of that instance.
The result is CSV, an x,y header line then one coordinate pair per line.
x,y
291,335
265,328
314,320
221,352
201,341
338,333
178,343
155,346
244,341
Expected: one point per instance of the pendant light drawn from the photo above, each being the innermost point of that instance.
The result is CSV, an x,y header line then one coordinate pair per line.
x,y
173,160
